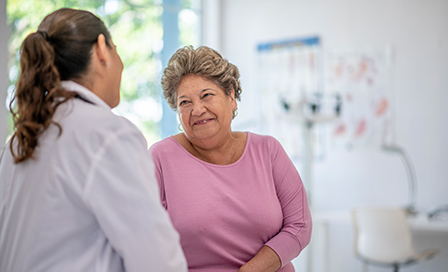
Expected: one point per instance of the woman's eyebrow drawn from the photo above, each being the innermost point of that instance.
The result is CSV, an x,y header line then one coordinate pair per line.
x,y
204,90
207,89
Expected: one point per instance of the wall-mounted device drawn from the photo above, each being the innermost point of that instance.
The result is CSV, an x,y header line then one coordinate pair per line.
x,y
412,183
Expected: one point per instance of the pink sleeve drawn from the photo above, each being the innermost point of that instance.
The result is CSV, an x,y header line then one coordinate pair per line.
x,y
158,174
295,234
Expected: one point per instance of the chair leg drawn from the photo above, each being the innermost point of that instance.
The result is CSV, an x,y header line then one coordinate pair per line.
x,y
364,267
396,267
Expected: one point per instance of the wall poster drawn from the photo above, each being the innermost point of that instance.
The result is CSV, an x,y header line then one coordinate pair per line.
x,y
288,72
363,78
295,76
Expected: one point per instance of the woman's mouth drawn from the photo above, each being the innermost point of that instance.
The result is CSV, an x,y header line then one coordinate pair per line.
x,y
202,122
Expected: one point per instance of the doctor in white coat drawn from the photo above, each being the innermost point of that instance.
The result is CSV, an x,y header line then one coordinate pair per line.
x,y
77,188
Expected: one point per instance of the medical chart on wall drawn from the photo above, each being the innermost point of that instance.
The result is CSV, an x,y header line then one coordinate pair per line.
x,y
288,71
292,75
363,79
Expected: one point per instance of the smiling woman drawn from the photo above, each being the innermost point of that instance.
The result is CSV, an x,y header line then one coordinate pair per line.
x,y
205,111
235,197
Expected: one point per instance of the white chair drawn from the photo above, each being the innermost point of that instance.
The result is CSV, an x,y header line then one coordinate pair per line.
x,y
383,237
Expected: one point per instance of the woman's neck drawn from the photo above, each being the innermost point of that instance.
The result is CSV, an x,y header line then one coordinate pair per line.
x,y
222,152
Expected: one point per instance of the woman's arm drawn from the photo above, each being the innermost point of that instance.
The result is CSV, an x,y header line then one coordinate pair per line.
x,y
266,260
295,233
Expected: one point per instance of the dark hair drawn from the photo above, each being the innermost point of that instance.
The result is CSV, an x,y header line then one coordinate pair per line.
x,y
59,50
202,61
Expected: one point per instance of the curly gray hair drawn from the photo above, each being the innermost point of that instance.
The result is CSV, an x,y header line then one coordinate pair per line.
x,y
202,61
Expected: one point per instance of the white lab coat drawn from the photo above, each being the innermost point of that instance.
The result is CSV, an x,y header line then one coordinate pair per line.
x,y
88,201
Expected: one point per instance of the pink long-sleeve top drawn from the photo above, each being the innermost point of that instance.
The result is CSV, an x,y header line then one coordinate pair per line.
x,y
226,213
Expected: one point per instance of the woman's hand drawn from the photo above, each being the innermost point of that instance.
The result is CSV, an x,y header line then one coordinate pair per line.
x,y
266,260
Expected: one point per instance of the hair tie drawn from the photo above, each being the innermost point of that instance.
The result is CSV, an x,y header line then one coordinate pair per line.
x,y
43,34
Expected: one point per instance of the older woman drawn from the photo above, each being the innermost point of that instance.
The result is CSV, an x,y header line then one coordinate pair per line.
x,y
235,197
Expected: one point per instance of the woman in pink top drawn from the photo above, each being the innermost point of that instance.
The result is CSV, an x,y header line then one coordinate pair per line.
x,y
235,197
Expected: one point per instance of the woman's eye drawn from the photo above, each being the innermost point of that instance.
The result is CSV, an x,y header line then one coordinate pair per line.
x,y
183,102
207,95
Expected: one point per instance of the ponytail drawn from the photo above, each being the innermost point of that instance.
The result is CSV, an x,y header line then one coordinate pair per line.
x,y
38,94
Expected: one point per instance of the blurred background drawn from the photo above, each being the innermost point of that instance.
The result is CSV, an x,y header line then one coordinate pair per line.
x,y
356,91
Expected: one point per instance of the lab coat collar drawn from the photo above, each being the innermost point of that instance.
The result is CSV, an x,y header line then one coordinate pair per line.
x,y
85,93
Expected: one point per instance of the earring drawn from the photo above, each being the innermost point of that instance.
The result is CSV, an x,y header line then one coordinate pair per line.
x,y
180,127
235,113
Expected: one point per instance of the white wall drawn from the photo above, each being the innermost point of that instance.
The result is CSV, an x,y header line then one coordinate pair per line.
x,y
418,32
211,23
3,72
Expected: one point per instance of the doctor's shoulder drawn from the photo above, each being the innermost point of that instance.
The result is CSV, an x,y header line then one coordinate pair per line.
x,y
95,125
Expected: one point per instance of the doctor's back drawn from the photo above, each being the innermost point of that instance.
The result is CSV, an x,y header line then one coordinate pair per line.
x,y
77,187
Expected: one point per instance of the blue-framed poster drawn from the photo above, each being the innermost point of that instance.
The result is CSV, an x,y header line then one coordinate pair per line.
x,y
289,75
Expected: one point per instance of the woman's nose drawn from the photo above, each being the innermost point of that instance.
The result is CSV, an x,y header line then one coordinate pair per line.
x,y
198,109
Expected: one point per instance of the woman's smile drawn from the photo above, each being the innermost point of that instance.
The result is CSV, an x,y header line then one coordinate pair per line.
x,y
203,122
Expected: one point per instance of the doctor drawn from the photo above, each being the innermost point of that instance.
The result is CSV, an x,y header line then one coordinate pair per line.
x,y
77,186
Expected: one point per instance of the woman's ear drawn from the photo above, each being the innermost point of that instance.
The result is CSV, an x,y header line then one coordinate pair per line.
x,y
101,51
232,98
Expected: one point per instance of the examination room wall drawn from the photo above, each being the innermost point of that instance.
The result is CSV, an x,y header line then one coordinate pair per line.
x,y
417,31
